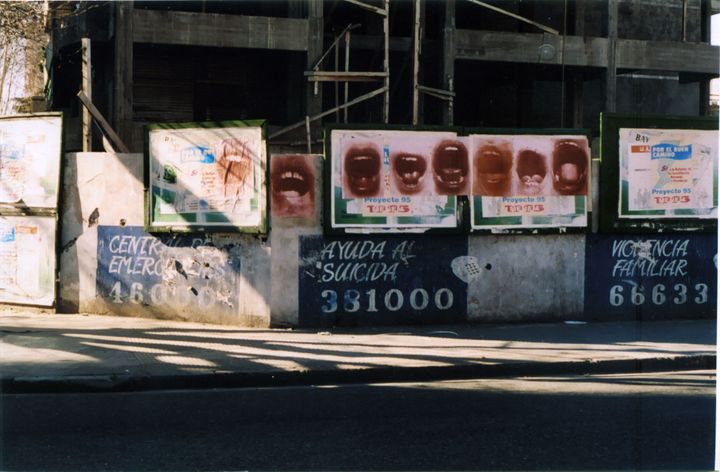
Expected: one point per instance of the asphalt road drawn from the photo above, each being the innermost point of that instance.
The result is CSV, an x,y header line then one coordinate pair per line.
x,y
651,421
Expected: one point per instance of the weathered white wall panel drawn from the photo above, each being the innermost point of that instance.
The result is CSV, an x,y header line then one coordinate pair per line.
x,y
110,265
530,278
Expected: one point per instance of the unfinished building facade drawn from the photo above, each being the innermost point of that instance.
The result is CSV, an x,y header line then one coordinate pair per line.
x,y
301,64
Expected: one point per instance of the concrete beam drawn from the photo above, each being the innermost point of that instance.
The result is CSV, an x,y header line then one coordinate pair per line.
x,y
217,30
525,47
588,52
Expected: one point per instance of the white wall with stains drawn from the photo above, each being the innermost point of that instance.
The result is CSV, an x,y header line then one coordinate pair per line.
x,y
109,265
527,278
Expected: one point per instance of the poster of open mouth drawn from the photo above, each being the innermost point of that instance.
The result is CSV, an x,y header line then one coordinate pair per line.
x,y
392,179
205,175
668,173
529,181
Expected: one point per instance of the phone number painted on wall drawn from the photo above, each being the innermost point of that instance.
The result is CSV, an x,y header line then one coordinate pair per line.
x,y
380,280
650,277
182,272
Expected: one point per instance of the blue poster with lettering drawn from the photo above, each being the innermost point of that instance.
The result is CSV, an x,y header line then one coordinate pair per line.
x,y
376,280
178,273
650,277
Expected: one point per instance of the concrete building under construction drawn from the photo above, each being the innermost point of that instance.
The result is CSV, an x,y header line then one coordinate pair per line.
x,y
497,63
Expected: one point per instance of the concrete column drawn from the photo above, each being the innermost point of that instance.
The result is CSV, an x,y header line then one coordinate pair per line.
x,y
122,116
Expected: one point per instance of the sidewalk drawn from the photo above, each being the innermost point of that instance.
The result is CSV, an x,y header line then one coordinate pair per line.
x,y
71,353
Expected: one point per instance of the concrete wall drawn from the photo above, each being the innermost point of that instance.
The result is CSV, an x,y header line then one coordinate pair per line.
x,y
297,276
527,278
108,264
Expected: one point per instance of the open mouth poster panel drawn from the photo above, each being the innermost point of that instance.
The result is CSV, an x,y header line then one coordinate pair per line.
x,y
207,176
396,179
529,181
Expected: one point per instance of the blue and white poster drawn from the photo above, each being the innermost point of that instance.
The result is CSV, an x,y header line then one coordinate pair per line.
x,y
668,173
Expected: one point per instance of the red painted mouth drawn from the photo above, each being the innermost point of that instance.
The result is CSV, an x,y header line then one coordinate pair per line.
x,y
290,176
362,168
409,170
492,167
569,168
450,167
531,169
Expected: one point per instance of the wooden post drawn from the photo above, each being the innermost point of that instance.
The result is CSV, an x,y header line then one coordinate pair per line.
x,y
611,72
87,90
448,65
416,61
347,69
123,80
315,49
337,84
104,125
578,79
386,62
308,135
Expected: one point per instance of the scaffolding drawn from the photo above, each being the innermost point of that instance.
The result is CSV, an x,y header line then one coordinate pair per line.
x,y
317,75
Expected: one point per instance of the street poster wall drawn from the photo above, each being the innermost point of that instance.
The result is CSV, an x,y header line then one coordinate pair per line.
x,y
163,272
292,184
207,175
529,181
389,179
353,280
27,260
668,173
650,276
30,150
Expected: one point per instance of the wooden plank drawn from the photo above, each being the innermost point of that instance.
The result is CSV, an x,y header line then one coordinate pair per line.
x,y
352,102
436,92
547,29
589,52
376,42
107,129
372,8
218,30
342,76
87,90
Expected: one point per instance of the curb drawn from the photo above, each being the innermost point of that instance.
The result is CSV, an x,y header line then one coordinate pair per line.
x,y
121,383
